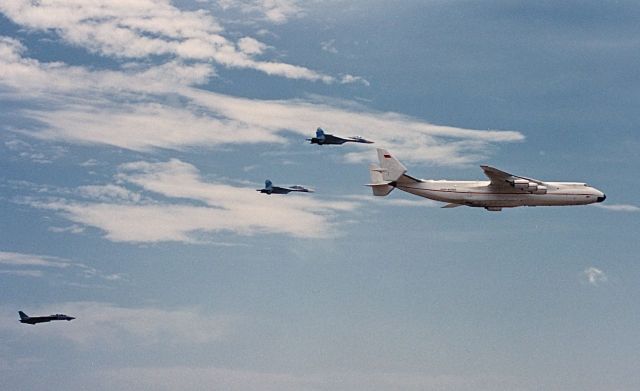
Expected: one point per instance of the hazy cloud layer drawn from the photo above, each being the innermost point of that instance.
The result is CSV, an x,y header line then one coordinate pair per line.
x,y
206,378
196,208
106,326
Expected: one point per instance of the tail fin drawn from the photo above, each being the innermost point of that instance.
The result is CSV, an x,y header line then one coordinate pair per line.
x,y
320,134
391,168
22,315
379,186
268,184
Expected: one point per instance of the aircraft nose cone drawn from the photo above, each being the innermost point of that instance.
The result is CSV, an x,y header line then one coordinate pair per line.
x,y
600,199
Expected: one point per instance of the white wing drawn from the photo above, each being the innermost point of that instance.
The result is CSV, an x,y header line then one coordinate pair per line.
x,y
500,178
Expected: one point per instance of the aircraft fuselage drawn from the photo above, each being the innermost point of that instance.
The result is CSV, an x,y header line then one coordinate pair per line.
x,y
482,194
43,319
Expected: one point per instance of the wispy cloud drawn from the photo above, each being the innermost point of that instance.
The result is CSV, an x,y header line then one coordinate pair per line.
x,y
594,276
329,46
18,259
349,79
39,154
274,11
619,207
100,325
23,273
251,46
195,206
420,202
130,109
147,28
31,265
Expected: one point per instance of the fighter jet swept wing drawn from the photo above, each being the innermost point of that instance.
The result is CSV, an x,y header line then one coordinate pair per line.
x,y
270,189
322,138
504,190
24,318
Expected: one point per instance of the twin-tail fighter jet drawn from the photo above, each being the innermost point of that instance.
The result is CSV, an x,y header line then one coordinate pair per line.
x,y
24,318
270,189
503,190
322,138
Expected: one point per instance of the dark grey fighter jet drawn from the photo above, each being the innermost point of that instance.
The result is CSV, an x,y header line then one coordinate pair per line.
x,y
270,189
24,318
322,139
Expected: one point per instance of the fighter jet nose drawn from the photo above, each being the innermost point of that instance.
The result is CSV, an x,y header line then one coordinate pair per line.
x,y
600,199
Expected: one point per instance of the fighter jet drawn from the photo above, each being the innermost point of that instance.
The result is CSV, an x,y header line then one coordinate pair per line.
x,y
270,189
322,139
503,190
24,318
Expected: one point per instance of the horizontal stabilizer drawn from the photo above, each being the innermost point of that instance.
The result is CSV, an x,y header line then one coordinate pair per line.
x,y
451,206
380,189
379,186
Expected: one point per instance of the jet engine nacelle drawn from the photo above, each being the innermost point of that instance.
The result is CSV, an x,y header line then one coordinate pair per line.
x,y
541,190
520,184
526,185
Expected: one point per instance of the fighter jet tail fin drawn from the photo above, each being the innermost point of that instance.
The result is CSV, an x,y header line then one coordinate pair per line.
x,y
379,186
391,168
22,315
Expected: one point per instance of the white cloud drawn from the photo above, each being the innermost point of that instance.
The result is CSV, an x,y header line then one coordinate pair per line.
x,y
196,207
619,207
329,46
31,265
419,202
23,273
156,107
106,326
251,46
349,79
36,154
274,11
144,28
74,228
18,259
109,193
89,163
594,276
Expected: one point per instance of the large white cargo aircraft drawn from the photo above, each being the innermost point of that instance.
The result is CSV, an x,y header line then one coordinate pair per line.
x,y
503,190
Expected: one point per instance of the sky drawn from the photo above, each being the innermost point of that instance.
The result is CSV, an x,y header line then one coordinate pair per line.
x,y
133,136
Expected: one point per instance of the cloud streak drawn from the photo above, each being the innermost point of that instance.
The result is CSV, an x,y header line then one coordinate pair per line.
x,y
106,326
31,265
133,109
619,207
274,11
195,207
140,29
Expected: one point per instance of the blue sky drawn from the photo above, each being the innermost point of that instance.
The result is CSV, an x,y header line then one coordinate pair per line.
x,y
134,134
